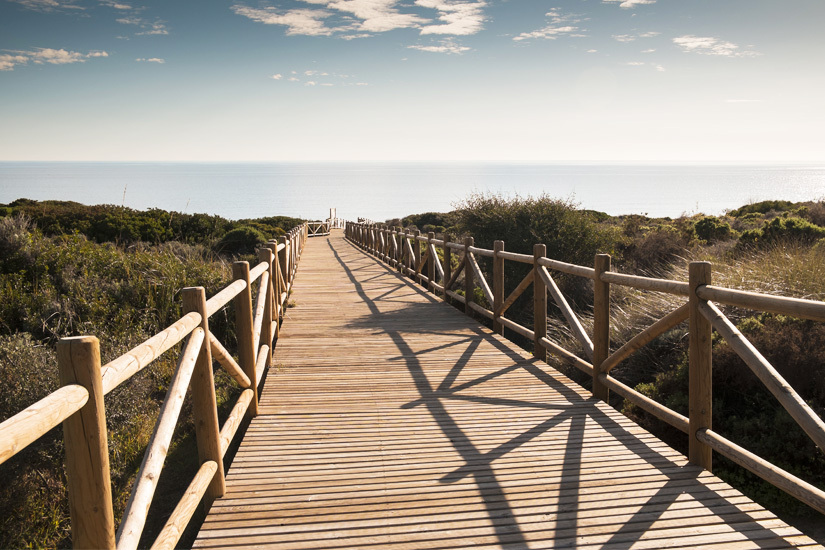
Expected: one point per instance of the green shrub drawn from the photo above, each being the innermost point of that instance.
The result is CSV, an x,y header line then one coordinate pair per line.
x,y
242,240
762,207
711,229
782,230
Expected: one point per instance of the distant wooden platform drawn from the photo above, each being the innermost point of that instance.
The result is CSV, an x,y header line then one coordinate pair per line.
x,y
393,421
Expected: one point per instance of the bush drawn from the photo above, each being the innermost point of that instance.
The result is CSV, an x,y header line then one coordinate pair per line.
x,y
763,207
711,229
570,235
242,240
783,230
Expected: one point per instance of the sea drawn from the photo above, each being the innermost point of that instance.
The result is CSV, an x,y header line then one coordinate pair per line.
x,y
381,191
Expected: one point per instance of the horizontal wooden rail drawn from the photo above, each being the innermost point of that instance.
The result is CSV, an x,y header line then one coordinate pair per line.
x,y
24,428
776,476
646,283
655,408
133,361
216,302
796,307
568,356
514,257
570,269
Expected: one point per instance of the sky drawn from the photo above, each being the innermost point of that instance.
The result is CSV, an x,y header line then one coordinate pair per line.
x,y
413,80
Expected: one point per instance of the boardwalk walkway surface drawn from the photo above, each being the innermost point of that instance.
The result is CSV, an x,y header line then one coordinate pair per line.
x,y
391,420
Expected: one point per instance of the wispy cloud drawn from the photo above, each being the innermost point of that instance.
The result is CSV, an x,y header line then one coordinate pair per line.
x,y
315,77
44,55
114,4
656,66
149,27
707,45
634,37
559,24
150,60
48,5
627,4
446,46
459,18
308,22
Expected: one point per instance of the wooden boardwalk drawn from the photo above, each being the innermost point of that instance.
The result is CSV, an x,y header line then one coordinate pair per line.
x,y
391,420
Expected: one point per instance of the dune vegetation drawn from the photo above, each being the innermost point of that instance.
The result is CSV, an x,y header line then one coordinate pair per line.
x,y
67,269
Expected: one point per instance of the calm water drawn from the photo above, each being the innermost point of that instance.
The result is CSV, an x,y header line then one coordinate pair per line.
x,y
381,191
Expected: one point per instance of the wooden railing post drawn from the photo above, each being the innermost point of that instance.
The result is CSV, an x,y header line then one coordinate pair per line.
x,y
87,449
601,325
276,287
282,260
264,255
416,254
431,262
498,285
469,288
244,328
448,265
404,254
700,396
539,304
205,410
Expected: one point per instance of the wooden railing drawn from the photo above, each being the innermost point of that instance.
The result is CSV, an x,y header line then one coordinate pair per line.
x,y
402,249
84,383
318,229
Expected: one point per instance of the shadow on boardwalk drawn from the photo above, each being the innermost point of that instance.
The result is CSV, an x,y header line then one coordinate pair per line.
x,y
576,412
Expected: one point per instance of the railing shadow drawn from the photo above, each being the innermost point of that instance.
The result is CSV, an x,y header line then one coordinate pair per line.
x,y
574,410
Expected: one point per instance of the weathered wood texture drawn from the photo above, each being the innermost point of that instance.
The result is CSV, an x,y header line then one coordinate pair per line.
x,y
391,420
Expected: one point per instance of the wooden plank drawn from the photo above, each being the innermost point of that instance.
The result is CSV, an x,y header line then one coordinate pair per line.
x,y
394,421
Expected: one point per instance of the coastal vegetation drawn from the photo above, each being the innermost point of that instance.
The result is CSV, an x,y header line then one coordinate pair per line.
x,y
67,269
774,247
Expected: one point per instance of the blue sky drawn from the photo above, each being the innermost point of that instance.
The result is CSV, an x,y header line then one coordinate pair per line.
x,y
517,80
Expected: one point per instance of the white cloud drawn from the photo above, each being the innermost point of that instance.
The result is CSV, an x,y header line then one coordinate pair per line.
x,y
656,66
45,55
649,50
635,63
446,46
559,25
7,61
309,83
48,5
707,45
151,60
627,4
460,18
157,27
115,5
592,51
278,76
307,22
632,37
378,15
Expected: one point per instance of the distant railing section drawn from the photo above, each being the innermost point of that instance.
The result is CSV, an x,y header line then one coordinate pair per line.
x,y
79,402
402,249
